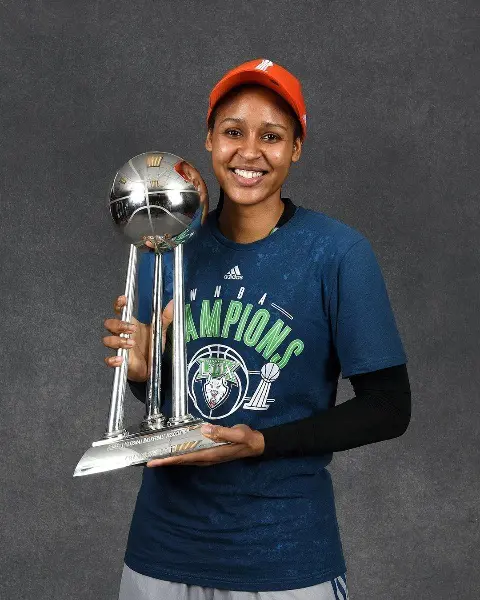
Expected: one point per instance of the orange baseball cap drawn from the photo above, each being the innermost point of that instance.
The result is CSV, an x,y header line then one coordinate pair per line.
x,y
266,73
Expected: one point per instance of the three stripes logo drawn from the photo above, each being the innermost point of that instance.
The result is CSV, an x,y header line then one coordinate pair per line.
x,y
263,66
233,274
339,587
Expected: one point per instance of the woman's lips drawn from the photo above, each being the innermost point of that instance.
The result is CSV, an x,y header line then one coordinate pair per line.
x,y
246,181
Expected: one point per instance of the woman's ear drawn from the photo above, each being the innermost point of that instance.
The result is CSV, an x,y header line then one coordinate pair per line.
x,y
208,141
297,149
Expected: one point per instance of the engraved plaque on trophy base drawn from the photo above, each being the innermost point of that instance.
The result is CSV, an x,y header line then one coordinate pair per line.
x,y
137,447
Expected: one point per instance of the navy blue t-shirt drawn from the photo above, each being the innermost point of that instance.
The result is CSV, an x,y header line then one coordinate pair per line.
x,y
270,326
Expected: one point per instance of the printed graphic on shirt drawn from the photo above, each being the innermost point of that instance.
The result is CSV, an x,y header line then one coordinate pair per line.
x,y
233,274
219,380
268,373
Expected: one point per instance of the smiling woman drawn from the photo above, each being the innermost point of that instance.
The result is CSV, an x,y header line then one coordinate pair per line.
x,y
254,136
252,144
282,300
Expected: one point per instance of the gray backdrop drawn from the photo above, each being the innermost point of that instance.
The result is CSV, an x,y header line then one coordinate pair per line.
x,y
392,149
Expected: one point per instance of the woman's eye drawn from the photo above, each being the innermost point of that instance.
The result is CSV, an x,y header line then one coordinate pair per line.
x,y
271,137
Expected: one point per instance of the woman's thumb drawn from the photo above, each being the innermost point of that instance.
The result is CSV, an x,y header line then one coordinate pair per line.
x,y
223,434
167,315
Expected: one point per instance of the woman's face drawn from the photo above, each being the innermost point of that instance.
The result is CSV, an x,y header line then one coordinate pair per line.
x,y
252,145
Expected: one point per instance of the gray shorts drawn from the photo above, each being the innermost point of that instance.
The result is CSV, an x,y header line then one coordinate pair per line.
x,y
135,586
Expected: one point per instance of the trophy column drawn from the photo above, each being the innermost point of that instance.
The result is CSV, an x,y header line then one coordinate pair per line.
x,y
153,416
180,412
115,416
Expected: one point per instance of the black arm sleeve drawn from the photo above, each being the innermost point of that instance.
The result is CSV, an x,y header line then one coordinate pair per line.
x,y
379,411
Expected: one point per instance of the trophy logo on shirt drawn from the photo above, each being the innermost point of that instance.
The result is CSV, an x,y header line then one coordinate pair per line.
x,y
260,400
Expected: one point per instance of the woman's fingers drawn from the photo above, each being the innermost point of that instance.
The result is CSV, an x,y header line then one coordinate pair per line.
x,y
119,303
236,434
208,456
115,342
131,336
239,434
113,361
116,326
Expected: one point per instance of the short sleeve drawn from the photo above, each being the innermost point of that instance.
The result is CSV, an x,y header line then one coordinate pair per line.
x,y
145,284
363,325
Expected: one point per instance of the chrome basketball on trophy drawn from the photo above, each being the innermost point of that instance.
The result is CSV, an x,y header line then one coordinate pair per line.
x,y
155,197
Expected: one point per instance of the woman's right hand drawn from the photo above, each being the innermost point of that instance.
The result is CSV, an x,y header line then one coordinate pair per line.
x,y
138,341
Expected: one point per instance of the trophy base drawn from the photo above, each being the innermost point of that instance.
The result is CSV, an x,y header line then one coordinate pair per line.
x,y
138,446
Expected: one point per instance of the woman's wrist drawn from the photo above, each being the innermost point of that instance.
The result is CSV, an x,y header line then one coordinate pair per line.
x,y
258,444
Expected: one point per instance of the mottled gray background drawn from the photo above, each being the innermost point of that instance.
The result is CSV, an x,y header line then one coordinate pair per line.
x,y
393,149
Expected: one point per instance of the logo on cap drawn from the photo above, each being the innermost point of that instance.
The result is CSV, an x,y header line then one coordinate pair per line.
x,y
263,66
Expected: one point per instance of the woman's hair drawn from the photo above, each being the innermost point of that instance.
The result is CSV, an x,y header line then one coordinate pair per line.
x,y
297,127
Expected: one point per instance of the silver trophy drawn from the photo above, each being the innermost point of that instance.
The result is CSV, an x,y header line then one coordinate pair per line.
x,y
160,198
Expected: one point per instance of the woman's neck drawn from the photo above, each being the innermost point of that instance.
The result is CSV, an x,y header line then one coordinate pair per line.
x,y
245,224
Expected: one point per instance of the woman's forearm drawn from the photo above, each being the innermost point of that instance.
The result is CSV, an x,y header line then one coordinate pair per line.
x,y
379,411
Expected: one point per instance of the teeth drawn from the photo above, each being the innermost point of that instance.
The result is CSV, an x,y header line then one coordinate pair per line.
x,y
248,174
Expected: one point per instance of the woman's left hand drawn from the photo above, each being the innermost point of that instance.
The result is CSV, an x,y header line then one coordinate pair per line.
x,y
244,442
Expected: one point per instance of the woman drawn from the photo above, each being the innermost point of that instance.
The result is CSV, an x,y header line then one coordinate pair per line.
x,y
282,299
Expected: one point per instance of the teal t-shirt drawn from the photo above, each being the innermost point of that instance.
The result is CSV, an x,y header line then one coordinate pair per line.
x,y
270,327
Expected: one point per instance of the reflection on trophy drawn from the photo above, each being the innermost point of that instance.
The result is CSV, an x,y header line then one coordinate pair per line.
x,y
155,197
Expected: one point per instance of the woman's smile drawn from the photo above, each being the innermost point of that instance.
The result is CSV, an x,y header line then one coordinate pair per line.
x,y
247,177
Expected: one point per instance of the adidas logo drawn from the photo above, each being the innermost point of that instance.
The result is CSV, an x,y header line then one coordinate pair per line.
x,y
233,274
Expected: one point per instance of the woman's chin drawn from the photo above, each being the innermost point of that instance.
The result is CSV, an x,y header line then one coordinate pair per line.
x,y
246,197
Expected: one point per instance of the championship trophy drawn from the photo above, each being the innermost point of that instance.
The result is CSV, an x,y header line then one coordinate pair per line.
x,y
160,198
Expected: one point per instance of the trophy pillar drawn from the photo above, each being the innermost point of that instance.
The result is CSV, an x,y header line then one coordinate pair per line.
x,y
115,416
153,416
179,392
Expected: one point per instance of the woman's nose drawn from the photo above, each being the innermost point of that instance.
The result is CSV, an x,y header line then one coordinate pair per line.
x,y
249,147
